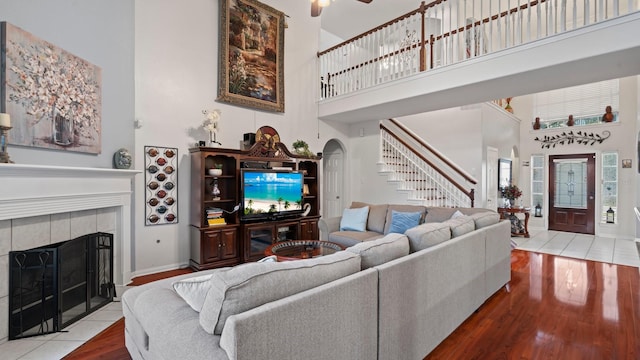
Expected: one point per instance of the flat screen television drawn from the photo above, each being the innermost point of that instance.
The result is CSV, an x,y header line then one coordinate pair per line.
x,y
269,193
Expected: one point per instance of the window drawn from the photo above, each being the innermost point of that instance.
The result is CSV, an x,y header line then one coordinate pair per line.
x,y
587,104
537,180
609,184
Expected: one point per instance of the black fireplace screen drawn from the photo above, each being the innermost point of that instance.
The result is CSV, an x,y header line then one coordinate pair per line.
x,y
51,287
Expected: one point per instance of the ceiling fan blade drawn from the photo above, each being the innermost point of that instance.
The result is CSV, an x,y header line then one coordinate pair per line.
x,y
366,1
315,8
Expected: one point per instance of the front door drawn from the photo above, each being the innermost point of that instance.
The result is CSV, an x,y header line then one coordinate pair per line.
x,y
572,193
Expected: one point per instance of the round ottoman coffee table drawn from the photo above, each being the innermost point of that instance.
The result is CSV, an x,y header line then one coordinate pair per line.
x,y
301,249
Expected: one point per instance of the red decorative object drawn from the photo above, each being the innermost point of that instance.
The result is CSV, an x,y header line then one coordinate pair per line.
x,y
608,115
511,192
570,122
161,205
536,124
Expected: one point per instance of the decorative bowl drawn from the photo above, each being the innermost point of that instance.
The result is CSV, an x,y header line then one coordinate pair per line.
x,y
215,172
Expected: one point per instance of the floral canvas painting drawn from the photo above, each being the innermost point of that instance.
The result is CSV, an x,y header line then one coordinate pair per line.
x,y
251,55
54,97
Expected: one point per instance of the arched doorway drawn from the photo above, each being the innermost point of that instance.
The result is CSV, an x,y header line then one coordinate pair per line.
x,y
333,158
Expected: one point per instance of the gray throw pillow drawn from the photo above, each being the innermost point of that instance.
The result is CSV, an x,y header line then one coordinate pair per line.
x,y
193,290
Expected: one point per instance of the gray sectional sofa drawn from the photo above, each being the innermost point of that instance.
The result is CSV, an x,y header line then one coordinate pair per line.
x,y
396,296
379,221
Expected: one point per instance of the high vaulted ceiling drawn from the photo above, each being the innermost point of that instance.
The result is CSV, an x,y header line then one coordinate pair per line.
x,y
348,18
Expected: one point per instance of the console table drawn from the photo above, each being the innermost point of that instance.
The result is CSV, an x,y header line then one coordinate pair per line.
x,y
513,211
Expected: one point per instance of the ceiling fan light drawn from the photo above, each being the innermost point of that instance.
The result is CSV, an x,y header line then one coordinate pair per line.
x,y
324,3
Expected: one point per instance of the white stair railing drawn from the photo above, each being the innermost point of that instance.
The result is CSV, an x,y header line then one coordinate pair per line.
x,y
427,179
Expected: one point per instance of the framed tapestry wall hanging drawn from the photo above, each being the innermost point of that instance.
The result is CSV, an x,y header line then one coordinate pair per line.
x,y
251,68
53,96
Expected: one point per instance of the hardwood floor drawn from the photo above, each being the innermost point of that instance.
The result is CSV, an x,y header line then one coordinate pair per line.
x,y
557,308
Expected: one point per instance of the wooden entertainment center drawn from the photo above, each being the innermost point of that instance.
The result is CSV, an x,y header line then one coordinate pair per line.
x,y
237,240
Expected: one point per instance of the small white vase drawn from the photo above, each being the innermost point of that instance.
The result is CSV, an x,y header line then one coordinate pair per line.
x,y
215,172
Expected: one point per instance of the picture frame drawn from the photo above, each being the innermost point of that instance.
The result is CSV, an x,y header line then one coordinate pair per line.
x,y
626,163
504,173
251,55
49,108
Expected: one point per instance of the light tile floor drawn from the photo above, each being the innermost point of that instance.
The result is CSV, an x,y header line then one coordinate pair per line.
x,y
580,246
56,346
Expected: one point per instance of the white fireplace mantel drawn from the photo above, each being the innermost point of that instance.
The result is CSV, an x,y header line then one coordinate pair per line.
x,y
35,190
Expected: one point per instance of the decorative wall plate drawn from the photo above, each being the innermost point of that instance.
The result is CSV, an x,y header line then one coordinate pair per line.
x,y
161,190
270,137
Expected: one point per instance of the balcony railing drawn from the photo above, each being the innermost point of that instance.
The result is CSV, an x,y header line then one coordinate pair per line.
x,y
446,32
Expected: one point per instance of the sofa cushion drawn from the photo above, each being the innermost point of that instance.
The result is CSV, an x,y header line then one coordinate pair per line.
x,y
354,219
194,290
402,208
403,221
485,218
427,235
381,250
471,211
377,215
439,214
250,285
350,238
460,226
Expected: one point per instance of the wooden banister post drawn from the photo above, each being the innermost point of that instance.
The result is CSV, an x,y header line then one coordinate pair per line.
x,y
431,40
472,196
423,50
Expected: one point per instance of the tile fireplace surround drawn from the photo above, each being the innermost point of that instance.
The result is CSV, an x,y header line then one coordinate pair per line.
x,y
42,205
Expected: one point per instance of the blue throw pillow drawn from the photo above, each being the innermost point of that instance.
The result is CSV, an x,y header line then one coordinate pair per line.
x,y
354,219
403,221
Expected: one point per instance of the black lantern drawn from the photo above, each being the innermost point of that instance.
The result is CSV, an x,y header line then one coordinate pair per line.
x,y
611,216
538,211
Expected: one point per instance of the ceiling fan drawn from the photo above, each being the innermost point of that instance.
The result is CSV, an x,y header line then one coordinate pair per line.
x,y
317,5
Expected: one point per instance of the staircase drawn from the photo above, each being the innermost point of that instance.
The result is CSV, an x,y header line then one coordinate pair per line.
x,y
428,177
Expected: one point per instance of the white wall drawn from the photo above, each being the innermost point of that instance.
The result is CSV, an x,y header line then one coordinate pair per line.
x,y
176,78
461,134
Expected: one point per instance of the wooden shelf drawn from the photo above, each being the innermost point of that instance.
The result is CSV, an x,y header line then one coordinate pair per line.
x,y
230,244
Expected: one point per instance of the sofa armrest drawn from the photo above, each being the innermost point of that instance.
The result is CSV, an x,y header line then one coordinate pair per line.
x,y
328,225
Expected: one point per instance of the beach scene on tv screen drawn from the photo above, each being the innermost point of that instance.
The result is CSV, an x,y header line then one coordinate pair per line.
x,y
268,192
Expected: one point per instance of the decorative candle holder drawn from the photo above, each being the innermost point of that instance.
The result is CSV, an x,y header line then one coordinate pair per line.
x,y
4,135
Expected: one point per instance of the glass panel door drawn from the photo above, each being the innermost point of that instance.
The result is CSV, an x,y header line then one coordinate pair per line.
x,y
571,183
572,193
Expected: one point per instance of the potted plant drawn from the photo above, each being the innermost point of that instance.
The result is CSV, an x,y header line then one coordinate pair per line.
x,y
301,148
511,193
